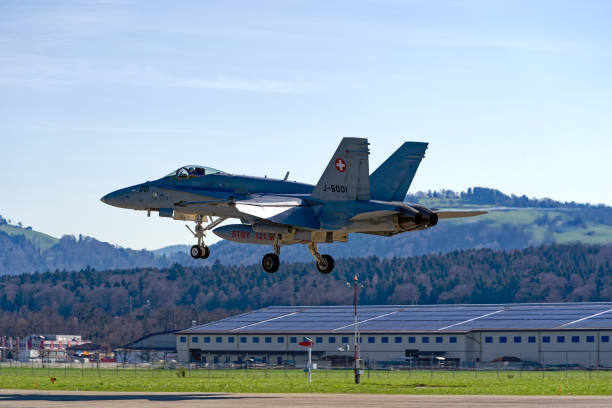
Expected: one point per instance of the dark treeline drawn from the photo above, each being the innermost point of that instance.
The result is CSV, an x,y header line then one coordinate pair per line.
x,y
115,307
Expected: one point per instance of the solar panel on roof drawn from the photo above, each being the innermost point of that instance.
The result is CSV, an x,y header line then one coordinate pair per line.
x,y
417,317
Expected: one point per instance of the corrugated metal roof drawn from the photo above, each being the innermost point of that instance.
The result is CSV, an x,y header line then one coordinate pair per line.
x,y
415,318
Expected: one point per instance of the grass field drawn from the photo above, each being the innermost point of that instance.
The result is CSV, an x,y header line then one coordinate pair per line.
x,y
572,382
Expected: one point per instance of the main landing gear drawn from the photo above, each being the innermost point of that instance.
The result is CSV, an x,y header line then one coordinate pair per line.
x,y
200,250
271,262
325,263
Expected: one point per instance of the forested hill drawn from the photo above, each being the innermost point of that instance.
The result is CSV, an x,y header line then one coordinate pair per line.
x,y
517,222
115,307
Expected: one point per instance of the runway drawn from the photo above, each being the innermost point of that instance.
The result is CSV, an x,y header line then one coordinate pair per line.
x,y
54,399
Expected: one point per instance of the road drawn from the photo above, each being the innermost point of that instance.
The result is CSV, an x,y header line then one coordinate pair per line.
x,y
56,399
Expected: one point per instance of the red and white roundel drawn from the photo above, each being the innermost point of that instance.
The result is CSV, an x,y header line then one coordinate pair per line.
x,y
340,165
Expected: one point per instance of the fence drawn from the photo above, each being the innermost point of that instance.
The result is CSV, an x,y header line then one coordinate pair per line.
x,y
566,361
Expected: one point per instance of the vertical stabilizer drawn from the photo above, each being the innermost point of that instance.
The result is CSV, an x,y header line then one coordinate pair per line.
x,y
391,181
346,177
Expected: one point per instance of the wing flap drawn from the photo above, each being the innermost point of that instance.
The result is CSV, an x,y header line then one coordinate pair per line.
x,y
267,206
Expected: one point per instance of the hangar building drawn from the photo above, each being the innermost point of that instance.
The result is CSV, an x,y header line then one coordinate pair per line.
x,y
544,334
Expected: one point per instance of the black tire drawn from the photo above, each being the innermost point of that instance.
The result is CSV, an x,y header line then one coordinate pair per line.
x,y
328,264
195,252
205,252
270,263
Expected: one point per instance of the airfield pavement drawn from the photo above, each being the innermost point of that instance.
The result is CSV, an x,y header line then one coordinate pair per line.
x,y
91,399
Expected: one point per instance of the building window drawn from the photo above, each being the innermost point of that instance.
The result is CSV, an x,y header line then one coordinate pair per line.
x,y
605,339
384,340
590,339
560,339
531,339
318,339
453,339
230,339
292,339
575,339
371,340
183,339
488,339
331,339
503,339
194,339
280,340
218,339
398,339
425,340
439,339
546,339
243,339
206,339
345,340
255,339
411,339
518,339
268,339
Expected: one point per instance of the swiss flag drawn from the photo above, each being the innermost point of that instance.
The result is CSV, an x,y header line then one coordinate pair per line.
x,y
340,165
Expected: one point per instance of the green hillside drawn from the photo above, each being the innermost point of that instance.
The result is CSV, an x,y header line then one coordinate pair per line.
x,y
545,220
39,239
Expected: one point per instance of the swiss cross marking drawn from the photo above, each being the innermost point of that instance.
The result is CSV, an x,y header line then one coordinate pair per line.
x,y
340,165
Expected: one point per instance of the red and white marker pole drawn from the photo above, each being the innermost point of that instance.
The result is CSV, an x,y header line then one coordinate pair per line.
x,y
308,343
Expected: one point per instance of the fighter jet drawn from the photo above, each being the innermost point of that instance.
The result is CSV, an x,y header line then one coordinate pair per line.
x,y
346,199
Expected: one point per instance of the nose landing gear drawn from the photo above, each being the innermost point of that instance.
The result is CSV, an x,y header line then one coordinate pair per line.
x,y
200,250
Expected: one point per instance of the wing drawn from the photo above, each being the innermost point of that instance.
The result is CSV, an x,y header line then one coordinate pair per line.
x,y
279,210
267,206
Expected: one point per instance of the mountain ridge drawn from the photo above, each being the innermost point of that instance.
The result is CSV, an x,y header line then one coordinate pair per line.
x,y
529,222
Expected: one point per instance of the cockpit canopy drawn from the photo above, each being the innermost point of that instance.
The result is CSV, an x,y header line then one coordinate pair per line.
x,y
192,170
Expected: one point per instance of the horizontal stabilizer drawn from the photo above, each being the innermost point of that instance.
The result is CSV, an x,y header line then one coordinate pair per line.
x,y
391,181
460,214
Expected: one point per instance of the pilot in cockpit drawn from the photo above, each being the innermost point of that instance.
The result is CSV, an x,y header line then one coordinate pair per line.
x,y
197,171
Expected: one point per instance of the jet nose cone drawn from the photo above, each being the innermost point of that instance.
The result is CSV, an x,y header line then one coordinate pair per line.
x,y
113,198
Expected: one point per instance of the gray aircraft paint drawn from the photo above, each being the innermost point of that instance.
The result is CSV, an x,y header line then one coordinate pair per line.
x,y
345,200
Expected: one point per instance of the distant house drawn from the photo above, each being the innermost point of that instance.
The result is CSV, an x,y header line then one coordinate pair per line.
x,y
151,348
48,347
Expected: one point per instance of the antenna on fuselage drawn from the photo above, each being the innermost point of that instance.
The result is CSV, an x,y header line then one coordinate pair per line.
x,y
286,176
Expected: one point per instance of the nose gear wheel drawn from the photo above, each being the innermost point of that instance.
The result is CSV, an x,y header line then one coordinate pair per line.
x,y
200,250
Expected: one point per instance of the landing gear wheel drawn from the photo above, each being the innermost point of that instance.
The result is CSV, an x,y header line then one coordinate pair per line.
x,y
270,263
196,251
205,252
327,264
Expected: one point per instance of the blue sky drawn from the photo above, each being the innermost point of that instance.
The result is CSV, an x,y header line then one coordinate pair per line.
x,y
99,95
